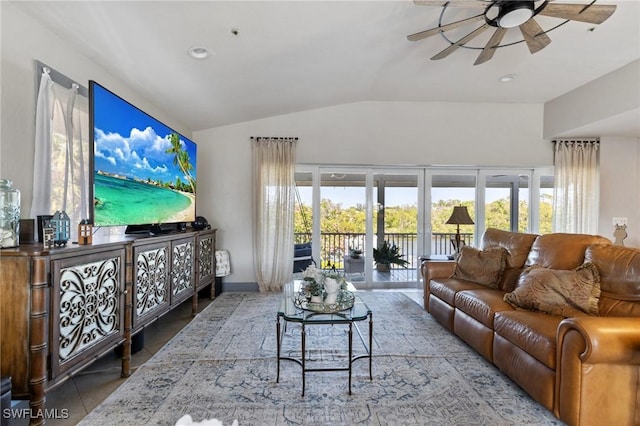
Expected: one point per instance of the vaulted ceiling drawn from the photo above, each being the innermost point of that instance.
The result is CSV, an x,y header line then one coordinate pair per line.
x,y
275,57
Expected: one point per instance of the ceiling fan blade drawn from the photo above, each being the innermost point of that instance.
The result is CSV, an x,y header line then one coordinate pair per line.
x,y
534,36
595,14
467,4
449,50
433,31
490,49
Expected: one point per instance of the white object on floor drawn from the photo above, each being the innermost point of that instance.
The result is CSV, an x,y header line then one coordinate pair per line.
x,y
223,263
186,420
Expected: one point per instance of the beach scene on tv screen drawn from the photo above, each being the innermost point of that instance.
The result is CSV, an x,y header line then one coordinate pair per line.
x,y
144,172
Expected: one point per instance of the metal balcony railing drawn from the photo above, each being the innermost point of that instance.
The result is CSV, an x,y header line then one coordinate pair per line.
x,y
335,245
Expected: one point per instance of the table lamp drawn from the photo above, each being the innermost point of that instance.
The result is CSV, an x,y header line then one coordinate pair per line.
x,y
460,216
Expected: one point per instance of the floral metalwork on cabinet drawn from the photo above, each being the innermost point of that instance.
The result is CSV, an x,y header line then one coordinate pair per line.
x,y
206,257
89,308
151,280
182,267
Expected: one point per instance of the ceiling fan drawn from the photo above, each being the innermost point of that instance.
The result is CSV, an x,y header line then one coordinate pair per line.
x,y
503,15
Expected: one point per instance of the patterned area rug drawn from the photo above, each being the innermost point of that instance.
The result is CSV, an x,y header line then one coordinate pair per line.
x,y
223,366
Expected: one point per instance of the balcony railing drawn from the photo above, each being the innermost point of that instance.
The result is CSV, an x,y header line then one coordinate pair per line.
x,y
335,245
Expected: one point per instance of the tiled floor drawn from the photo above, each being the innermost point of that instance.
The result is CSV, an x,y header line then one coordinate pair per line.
x,y
82,393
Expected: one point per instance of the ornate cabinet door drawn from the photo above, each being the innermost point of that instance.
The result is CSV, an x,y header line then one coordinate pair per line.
x,y
151,287
87,307
183,262
206,273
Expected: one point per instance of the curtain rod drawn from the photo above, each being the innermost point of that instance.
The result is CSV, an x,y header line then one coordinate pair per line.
x,y
586,140
58,77
258,138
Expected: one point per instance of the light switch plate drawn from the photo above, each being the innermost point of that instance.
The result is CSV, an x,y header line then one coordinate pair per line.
x,y
620,221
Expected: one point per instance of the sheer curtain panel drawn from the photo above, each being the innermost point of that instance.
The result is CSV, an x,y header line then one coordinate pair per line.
x,y
61,160
577,186
274,197
41,202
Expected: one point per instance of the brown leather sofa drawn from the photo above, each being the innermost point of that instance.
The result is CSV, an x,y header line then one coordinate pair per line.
x,y
585,369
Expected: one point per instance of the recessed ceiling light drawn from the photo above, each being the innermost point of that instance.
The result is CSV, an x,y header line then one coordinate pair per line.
x,y
507,78
198,52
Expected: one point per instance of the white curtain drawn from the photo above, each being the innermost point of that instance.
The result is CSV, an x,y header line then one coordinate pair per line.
x,y
41,202
577,186
274,196
61,153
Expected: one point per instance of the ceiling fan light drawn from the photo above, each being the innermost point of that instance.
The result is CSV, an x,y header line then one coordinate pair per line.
x,y
515,13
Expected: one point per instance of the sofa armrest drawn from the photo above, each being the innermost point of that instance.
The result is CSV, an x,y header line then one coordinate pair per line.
x,y
433,269
598,370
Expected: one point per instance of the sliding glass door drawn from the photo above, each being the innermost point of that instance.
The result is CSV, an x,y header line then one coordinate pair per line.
x,y
395,228
354,211
451,189
348,214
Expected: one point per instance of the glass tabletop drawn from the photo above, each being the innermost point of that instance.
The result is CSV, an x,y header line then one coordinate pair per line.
x,y
290,312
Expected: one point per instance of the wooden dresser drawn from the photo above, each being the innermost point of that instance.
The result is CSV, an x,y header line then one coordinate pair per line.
x,y
63,308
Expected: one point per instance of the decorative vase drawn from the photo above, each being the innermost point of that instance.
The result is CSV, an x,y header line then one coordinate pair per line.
x,y
9,215
332,288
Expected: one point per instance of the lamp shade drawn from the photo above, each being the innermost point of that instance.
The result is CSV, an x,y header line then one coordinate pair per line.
x,y
460,216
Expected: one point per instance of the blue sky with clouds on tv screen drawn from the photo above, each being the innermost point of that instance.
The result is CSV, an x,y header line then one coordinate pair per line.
x,y
131,143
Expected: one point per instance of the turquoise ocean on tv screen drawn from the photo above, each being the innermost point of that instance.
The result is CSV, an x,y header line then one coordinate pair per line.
x,y
126,202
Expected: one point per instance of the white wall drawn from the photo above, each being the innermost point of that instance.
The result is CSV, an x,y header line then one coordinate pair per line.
x,y
23,41
364,133
619,186
613,97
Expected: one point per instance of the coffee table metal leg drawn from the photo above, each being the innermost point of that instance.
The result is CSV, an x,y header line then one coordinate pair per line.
x,y
370,345
278,343
304,367
350,353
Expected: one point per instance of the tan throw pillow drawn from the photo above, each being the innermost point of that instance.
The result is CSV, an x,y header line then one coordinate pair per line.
x,y
566,293
481,266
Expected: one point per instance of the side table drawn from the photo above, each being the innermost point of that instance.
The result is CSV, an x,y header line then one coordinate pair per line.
x,y
353,266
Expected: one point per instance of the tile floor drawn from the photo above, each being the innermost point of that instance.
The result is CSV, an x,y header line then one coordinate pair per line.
x,y
83,392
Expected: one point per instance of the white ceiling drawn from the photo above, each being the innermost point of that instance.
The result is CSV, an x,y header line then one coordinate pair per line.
x,y
297,55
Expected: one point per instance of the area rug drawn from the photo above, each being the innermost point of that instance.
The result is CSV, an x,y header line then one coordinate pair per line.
x,y
223,365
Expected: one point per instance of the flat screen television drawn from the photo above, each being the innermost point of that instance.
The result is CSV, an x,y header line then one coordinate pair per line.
x,y
144,173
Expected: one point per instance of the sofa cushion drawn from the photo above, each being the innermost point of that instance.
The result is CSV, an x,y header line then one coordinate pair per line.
x,y
558,292
533,332
481,266
619,269
446,288
517,245
562,251
481,304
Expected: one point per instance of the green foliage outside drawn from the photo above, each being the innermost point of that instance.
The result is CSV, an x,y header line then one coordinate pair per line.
x,y
404,219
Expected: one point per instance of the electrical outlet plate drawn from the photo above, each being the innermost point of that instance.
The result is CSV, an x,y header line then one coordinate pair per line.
x,y
620,221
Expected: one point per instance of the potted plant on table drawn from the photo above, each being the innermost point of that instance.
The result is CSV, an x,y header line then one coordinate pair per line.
x,y
386,255
355,253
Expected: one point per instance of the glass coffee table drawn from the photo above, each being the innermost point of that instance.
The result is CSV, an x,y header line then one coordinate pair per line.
x,y
290,311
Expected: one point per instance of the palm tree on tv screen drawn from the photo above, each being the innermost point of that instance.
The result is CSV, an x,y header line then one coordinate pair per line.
x,y
181,159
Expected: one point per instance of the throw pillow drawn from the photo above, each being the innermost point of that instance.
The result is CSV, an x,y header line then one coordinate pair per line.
x,y
481,266
565,293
